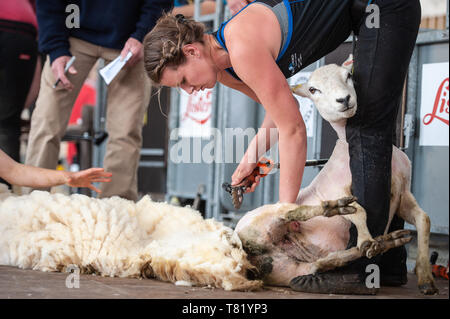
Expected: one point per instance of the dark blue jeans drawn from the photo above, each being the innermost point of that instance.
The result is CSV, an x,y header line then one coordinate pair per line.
x,y
381,59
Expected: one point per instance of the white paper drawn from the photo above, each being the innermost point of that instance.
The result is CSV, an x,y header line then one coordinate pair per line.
x,y
434,106
110,71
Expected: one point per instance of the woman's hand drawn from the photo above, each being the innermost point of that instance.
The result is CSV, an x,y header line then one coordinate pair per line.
x,y
86,177
244,170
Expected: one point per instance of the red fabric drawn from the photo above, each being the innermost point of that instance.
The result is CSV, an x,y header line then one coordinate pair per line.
x,y
19,11
87,96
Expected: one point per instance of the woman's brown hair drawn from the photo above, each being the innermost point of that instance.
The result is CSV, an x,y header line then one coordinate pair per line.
x,y
163,45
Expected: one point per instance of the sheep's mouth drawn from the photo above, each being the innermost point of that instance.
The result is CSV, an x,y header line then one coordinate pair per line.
x,y
346,108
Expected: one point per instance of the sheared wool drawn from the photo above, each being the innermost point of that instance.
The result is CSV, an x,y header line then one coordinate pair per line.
x,y
117,237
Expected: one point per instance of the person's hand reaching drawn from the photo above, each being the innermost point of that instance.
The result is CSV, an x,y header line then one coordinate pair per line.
x,y
86,177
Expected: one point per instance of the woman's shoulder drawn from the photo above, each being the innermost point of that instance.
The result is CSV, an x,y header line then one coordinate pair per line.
x,y
255,26
253,19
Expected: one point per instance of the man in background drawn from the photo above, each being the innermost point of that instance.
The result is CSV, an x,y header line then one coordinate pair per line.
x,y
106,29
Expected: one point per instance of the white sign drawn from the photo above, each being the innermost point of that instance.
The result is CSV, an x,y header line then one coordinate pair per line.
x,y
195,113
307,108
434,105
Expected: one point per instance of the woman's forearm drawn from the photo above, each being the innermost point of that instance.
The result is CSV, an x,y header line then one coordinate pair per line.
x,y
263,141
24,175
292,146
35,177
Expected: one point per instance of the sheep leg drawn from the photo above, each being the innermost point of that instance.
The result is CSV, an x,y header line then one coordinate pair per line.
x,y
365,242
343,257
336,259
411,212
339,207
278,269
348,208
328,209
289,222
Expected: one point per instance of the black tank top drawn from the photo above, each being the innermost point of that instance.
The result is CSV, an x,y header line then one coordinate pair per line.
x,y
310,30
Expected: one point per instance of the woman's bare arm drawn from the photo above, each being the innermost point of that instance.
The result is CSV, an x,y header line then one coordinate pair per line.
x,y
35,177
264,139
253,61
226,79
268,123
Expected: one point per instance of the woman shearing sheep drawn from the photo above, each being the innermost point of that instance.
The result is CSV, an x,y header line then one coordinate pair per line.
x,y
24,175
271,40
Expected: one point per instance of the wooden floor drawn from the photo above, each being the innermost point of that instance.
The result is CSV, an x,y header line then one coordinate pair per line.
x,y
29,284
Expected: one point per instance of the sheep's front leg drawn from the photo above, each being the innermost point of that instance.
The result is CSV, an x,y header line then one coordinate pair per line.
x,y
328,209
411,212
348,208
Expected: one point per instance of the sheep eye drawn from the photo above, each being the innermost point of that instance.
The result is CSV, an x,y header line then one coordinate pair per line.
x,y
313,90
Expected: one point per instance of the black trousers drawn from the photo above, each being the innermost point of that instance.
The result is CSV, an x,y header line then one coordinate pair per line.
x,y
18,54
381,59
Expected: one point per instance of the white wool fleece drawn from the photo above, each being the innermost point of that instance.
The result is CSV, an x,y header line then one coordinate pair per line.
x,y
117,237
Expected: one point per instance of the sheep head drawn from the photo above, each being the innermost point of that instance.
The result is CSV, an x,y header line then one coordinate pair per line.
x,y
331,89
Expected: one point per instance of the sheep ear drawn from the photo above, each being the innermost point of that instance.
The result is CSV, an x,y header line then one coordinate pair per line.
x,y
300,89
348,64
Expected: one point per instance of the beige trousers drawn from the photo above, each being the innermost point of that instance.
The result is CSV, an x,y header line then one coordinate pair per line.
x,y
128,98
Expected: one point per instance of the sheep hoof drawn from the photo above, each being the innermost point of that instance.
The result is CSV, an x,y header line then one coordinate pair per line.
x,y
347,210
339,207
428,289
374,249
345,201
371,248
331,212
398,234
365,247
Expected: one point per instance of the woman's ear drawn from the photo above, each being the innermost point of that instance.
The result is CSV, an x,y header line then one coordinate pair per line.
x,y
190,50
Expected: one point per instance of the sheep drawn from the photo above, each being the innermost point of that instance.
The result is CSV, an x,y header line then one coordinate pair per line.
x,y
117,237
273,243
283,240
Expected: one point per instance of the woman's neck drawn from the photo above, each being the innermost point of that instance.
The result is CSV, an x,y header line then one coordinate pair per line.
x,y
219,57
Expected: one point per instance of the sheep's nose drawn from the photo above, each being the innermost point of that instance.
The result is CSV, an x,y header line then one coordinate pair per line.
x,y
344,101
